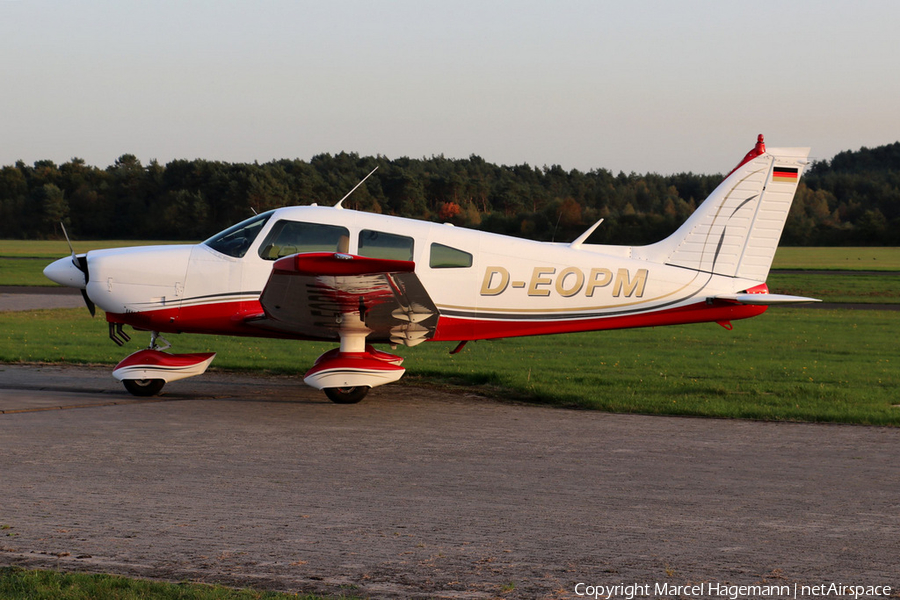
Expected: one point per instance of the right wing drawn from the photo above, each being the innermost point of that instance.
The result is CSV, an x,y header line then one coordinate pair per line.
x,y
319,295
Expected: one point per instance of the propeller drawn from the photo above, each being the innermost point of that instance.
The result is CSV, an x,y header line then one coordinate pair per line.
x,y
81,263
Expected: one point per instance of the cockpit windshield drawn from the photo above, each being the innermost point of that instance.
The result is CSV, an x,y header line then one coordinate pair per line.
x,y
236,240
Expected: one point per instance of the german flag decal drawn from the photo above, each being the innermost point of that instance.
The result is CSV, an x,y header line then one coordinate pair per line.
x,y
785,174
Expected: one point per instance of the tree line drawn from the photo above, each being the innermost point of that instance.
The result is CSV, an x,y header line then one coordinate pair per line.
x,y
853,199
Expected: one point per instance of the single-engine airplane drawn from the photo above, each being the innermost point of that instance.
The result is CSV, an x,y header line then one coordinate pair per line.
x,y
329,273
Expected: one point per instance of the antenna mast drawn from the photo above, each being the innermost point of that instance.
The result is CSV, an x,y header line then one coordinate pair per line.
x,y
339,202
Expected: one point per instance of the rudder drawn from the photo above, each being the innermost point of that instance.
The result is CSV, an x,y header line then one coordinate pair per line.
x,y
736,230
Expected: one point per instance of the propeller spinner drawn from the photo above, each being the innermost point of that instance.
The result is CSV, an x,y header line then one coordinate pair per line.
x,y
72,271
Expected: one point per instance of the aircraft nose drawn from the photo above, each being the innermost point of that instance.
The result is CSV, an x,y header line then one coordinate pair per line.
x,y
65,272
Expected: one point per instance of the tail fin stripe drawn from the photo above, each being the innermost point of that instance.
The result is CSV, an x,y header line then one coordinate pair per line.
x,y
719,247
735,231
741,205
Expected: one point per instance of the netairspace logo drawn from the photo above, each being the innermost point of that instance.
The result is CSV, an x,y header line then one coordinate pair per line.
x,y
630,591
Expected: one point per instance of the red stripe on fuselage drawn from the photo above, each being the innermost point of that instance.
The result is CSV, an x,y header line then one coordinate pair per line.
x,y
221,318
456,328
228,318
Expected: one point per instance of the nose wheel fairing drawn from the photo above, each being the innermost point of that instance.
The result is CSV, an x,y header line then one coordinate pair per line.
x,y
139,369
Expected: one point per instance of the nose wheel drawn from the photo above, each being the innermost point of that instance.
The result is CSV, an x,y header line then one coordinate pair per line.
x,y
347,395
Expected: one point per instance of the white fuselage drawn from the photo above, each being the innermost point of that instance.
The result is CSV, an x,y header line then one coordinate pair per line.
x,y
316,272
484,285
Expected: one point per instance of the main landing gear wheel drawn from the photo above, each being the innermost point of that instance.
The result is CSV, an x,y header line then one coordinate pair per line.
x,y
146,387
347,395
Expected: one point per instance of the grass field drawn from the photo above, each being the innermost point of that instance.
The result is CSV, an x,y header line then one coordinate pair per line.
x,y
24,271
58,248
864,288
851,259
22,262
789,364
51,585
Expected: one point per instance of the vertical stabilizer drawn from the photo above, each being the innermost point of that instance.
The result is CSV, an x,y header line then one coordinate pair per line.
x,y
735,231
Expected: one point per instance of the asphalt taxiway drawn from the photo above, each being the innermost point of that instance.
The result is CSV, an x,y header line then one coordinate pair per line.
x,y
422,493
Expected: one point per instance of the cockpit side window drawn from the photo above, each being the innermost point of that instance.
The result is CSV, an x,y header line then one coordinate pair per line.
x,y
292,237
377,244
445,257
236,240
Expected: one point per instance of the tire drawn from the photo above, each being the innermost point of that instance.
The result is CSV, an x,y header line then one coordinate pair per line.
x,y
347,395
144,387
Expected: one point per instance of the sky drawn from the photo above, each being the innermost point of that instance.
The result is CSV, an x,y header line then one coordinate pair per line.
x,y
635,86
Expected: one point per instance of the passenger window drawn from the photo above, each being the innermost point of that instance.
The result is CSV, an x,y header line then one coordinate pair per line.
x,y
445,257
377,244
292,237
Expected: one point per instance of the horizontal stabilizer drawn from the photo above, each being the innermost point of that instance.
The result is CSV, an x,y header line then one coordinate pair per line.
x,y
765,299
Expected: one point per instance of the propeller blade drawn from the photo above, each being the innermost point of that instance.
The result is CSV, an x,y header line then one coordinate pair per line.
x,y
82,263
66,233
89,303
82,268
